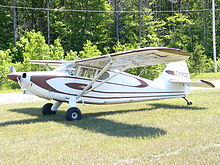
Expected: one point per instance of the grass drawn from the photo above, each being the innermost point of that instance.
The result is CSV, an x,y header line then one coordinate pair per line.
x,y
10,90
154,132
206,76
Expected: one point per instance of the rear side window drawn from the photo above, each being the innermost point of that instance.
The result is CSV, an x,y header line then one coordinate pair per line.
x,y
104,76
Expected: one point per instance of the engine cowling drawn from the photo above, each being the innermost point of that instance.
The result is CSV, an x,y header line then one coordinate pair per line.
x,y
25,80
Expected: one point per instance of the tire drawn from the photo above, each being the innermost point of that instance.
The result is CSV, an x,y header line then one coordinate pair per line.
x,y
46,110
73,114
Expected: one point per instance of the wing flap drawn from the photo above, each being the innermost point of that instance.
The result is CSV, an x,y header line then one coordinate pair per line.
x,y
199,83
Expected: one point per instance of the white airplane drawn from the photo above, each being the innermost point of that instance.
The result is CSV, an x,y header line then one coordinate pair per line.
x,y
101,80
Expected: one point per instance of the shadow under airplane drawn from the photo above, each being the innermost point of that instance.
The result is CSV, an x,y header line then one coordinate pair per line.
x,y
93,122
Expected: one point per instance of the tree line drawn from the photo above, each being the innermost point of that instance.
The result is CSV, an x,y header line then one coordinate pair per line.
x,y
81,29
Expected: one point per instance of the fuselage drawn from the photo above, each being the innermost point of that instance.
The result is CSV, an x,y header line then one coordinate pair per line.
x,y
123,87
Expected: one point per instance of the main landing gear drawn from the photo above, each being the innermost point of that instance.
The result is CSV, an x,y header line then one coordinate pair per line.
x,y
187,101
73,113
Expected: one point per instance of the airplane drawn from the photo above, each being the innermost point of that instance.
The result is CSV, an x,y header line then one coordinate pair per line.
x,y
102,80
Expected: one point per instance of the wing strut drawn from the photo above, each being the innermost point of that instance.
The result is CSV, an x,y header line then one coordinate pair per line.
x,y
95,78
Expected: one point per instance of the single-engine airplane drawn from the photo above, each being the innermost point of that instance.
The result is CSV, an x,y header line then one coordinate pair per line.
x,y
101,80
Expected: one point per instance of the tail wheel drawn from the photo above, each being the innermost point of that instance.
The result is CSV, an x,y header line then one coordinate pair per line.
x,y
73,113
46,110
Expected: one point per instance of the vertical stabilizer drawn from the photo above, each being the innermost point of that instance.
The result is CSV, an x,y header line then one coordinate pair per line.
x,y
12,69
174,71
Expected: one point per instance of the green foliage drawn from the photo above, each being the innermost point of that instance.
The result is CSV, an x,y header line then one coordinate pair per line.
x,y
178,34
123,47
150,72
72,55
151,34
32,46
6,28
5,61
198,62
89,50
56,50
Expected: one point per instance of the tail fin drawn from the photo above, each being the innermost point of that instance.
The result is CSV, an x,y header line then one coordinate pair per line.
x,y
12,69
177,71
174,71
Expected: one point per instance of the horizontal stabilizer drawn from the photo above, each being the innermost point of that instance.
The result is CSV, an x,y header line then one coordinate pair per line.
x,y
199,83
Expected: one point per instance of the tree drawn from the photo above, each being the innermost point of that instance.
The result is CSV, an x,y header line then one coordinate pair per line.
x,y
5,61
178,35
32,46
6,27
199,62
89,50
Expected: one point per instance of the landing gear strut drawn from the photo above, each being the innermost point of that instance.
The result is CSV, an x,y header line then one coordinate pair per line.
x,y
46,110
50,109
187,101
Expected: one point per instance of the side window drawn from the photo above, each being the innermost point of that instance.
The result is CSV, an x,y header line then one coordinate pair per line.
x,y
104,76
83,72
87,72
91,73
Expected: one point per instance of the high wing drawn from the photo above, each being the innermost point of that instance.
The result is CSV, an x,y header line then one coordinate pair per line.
x,y
127,59
136,58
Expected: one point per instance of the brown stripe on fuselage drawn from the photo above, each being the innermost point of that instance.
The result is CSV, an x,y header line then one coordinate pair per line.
x,y
77,86
40,80
170,72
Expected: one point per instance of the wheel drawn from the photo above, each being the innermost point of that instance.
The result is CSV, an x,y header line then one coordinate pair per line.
x,y
46,110
189,103
73,113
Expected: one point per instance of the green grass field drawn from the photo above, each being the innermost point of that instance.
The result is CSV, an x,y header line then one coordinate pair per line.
x,y
153,132
206,76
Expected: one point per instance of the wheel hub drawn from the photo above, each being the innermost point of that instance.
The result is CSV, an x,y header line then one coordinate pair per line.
x,y
74,115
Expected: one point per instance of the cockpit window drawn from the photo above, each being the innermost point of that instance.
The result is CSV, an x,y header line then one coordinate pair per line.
x,y
86,72
71,71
